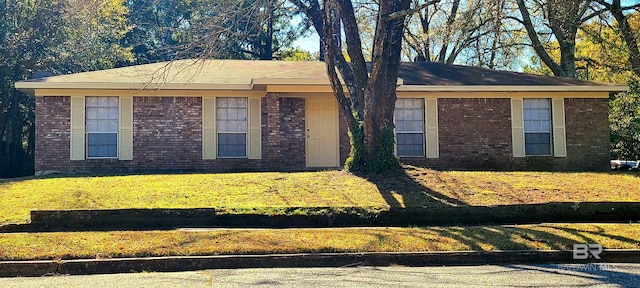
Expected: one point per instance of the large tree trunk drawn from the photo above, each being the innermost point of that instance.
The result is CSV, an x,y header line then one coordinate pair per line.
x,y
267,46
371,98
567,59
380,94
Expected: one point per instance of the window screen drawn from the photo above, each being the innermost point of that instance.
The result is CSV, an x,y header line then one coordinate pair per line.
x,y
231,123
537,127
102,127
409,121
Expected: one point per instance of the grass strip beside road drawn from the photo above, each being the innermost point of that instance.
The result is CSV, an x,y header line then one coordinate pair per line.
x,y
119,244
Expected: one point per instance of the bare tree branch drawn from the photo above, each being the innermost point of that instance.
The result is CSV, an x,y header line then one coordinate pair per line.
x,y
402,14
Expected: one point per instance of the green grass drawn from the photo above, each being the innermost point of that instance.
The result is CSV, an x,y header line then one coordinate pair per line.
x,y
415,187
232,190
75,245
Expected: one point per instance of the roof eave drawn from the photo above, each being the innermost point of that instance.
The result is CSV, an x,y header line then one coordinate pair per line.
x,y
513,88
30,86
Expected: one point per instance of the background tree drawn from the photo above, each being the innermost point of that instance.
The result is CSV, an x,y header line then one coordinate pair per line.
x,y
296,54
23,49
624,119
602,54
59,36
469,32
559,19
92,33
629,32
226,29
157,28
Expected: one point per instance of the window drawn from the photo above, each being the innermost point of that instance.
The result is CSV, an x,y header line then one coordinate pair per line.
x,y
231,124
537,127
409,121
102,127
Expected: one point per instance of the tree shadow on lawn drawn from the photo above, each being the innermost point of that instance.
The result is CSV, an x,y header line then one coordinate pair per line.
x,y
514,237
479,238
400,190
411,189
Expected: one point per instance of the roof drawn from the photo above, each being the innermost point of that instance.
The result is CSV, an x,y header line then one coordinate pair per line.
x,y
432,73
251,74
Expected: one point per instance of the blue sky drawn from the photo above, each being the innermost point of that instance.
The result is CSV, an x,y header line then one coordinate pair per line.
x,y
310,43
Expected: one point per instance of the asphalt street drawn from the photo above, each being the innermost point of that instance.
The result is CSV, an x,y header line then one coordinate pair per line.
x,y
557,275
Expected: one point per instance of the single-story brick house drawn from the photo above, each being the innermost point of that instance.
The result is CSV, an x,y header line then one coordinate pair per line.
x,y
220,115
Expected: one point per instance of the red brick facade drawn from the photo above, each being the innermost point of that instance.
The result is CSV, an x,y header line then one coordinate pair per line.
x,y
473,134
167,136
292,133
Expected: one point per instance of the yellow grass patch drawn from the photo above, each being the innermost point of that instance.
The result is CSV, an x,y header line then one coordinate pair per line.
x,y
72,245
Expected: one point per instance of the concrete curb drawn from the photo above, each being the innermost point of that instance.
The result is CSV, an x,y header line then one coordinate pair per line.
x,y
190,263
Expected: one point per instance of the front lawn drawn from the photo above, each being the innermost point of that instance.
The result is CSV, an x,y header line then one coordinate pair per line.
x,y
414,187
231,190
75,245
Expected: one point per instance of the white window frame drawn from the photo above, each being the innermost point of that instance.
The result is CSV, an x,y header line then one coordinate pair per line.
x,y
246,133
423,131
551,153
117,132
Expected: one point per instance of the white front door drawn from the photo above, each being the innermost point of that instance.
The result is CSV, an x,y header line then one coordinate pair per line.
x,y
322,132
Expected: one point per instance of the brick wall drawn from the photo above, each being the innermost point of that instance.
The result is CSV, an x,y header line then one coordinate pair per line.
x,y
474,134
273,147
588,140
167,129
587,128
167,136
53,131
292,133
